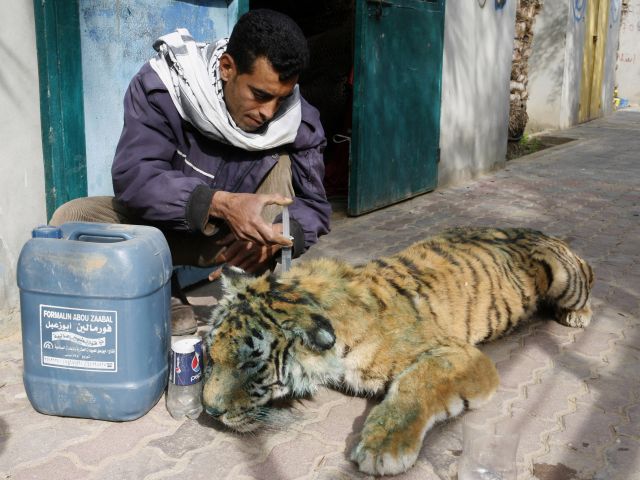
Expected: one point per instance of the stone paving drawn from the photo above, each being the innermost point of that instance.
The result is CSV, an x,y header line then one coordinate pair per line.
x,y
573,396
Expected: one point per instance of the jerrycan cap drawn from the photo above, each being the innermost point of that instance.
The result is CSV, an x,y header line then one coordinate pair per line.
x,y
46,231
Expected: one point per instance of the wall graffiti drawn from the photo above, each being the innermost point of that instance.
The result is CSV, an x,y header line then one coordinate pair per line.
x,y
499,4
579,8
614,12
630,58
628,55
630,22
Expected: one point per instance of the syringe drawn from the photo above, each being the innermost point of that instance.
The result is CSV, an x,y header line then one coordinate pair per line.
x,y
286,232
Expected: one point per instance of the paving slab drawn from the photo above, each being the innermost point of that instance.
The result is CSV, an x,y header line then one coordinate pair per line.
x,y
573,396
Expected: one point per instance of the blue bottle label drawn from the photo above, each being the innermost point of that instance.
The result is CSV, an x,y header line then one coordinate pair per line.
x,y
78,339
186,368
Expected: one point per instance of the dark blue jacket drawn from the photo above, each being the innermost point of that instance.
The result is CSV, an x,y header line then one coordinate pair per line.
x,y
166,171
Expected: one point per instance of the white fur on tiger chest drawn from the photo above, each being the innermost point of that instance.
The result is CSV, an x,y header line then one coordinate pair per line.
x,y
357,364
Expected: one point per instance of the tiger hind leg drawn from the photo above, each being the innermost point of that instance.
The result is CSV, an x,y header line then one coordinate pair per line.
x,y
440,384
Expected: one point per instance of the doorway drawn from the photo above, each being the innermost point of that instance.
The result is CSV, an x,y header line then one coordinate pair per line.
x,y
327,82
375,76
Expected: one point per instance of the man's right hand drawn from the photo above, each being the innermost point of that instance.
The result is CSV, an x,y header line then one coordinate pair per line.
x,y
242,212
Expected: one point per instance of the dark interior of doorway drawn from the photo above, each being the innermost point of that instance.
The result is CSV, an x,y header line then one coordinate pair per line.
x,y
327,83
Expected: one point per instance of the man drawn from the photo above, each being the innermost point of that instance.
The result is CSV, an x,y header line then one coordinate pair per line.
x,y
216,139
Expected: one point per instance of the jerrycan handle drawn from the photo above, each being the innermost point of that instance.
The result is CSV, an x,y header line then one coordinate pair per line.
x,y
99,236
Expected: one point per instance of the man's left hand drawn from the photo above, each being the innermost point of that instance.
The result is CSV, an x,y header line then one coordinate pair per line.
x,y
249,256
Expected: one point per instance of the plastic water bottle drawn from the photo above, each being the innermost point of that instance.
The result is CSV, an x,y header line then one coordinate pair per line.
x,y
478,472
487,454
184,393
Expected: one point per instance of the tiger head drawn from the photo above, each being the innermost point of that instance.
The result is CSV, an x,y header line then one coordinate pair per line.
x,y
268,340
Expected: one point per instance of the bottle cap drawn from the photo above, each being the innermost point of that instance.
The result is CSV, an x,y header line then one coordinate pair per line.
x,y
183,346
46,231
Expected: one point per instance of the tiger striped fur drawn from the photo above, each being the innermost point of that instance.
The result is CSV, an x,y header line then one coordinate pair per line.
x,y
403,327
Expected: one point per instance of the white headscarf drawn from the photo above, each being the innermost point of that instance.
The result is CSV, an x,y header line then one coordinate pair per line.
x,y
190,71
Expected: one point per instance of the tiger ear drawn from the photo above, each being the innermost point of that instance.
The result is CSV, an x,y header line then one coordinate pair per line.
x,y
315,331
215,315
231,277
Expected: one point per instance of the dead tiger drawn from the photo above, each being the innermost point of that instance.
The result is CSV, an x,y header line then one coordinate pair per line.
x,y
404,327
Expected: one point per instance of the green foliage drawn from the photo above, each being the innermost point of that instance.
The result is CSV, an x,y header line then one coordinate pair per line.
x,y
526,145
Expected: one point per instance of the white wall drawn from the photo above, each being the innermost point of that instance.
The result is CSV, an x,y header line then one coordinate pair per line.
x,y
628,73
547,65
572,68
555,65
610,58
22,202
478,49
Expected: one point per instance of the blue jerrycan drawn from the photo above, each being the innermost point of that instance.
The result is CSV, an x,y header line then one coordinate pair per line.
x,y
95,301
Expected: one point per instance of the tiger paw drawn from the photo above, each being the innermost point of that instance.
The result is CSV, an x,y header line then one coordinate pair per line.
x,y
574,318
382,462
383,456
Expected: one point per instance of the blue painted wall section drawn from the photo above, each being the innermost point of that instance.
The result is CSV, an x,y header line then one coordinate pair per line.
x,y
579,9
116,39
614,12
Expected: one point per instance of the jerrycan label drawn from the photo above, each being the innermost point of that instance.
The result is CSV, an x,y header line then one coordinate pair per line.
x,y
78,339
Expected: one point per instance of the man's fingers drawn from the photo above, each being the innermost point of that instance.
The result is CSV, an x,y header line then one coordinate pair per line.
x,y
239,254
282,241
215,274
244,254
247,236
271,237
221,257
251,257
226,240
277,199
247,224
259,262
249,266
264,236
236,249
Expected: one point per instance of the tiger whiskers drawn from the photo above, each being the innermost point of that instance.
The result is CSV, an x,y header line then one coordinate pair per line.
x,y
275,419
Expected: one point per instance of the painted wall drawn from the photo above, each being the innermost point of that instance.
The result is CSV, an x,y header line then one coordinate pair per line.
x,y
478,49
611,54
117,39
22,203
628,72
547,65
555,65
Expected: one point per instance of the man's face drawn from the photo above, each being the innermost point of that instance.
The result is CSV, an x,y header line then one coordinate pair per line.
x,y
253,98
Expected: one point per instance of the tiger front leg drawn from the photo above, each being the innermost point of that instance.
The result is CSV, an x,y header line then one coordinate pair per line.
x,y
440,384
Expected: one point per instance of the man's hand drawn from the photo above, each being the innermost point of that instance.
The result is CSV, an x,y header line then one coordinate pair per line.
x,y
242,212
250,257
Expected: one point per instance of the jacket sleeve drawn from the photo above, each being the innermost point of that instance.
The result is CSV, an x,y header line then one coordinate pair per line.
x,y
143,176
310,209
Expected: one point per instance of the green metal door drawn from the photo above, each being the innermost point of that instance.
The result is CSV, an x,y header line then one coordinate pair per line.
x,y
61,102
396,105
